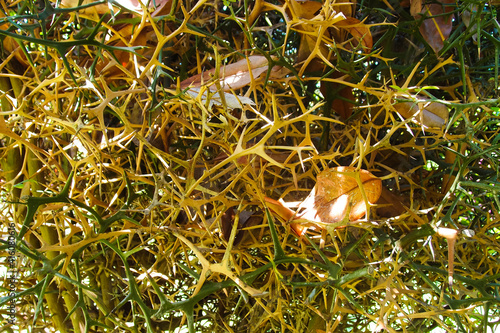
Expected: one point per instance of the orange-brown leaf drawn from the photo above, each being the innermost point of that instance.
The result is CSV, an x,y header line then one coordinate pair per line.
x,y
342,98
437,28
338,193
285,214
360,32
390,204
343,106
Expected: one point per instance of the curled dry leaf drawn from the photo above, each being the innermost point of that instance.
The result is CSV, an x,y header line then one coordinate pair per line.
x,y
230,101
451,236
338,197
141,39
342,98
426,113
158,6
344,105
96,9
450,155
232,76
304,9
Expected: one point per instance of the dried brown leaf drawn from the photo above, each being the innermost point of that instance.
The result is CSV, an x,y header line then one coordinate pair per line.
x,y
227,221
450,157
286,214
338,188
11,46
344,106
160,6
436,28
451,237
360,32
342,98
233,76
245,219
390,204
337,197
426,113
415,7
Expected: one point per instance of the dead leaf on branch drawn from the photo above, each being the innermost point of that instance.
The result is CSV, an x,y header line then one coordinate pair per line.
x,y
451,237
318,33
390,204
229,100
127,36
157,7
360,32
415,7
305,11
450,156
341,195
286,214
342,97
12,46
436,27
469,16
232,76
424,112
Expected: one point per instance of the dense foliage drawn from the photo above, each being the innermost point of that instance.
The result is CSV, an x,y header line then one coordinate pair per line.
x,y
138,190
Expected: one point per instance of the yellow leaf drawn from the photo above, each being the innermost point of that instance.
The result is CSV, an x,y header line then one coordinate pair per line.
x,y
305,9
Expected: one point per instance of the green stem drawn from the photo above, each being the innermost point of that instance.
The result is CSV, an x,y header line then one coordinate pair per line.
x,y
56,308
